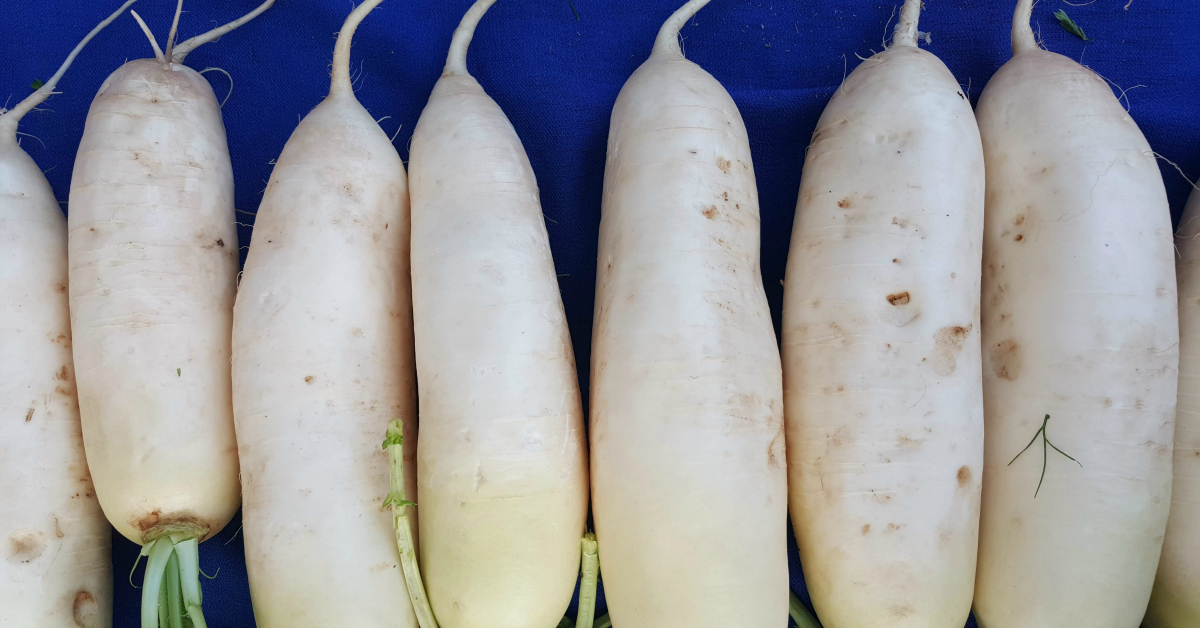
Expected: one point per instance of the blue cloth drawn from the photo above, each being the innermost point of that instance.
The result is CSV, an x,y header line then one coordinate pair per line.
x,y
556,70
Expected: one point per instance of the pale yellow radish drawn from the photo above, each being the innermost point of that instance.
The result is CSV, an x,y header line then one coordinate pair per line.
x,y
153,265
1175,602
1081,349
501,460
322,360
882,378
54,540
688,461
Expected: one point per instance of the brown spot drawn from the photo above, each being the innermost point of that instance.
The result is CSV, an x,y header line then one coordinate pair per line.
x,y
844,203
1006,359
24,547
710,212
905,441
61,375
1020,220
899,298
1107,402
356,332
58,530
901,612
964,475
1019,237
29,415
308,379
947,342
900,222
86,610
866,528
895,260
63,390
149,521
724,164
220,242
775,449
894,526
60,288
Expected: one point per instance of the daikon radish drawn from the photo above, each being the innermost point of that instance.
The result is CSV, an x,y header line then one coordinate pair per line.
x,y
882,378
54,561
322,359
501,460
688,461
153,259
1176,599
1080,345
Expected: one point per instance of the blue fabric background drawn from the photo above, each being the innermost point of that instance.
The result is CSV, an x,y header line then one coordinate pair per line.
x,y
557,75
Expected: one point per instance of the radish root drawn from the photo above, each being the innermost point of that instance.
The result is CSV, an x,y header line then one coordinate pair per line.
x,y
456,60
667,41
906,32
393,442
1022,34
227,75
158,53
174,29
10,118
340,82
182,50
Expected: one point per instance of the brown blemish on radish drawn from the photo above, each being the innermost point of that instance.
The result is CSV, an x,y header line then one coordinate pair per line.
x,y
1006,359
61,375
60,288
1019,237
948,341
899,298
710,212
29,415
964,475
866,528
844,203
25,547
85,610
724,164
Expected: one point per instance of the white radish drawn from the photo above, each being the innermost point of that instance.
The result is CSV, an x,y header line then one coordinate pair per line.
x,y
502,472
153,263
688,462
1080,345
322,360
882,378
54,562
1175,602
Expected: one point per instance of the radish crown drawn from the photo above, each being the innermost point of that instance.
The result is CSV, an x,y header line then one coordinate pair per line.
x,y
456,61
340,76
906,29
667,41
176,54
1022,33
10,118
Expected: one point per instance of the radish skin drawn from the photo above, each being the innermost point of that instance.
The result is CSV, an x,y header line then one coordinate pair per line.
x,y
1080,337
882,375
55,570
153,258
1175,602
688,461
502,471
322,360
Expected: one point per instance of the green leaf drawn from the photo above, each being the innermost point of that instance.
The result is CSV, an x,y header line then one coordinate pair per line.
x,y
36,84
1070,25
178,372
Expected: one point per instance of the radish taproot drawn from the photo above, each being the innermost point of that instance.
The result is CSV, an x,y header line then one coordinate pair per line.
x,y
1080,346
501,459
322,360
882,381
688,461
55,570
1175,602
153,259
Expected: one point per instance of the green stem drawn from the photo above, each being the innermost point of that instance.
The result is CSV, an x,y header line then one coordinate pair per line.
x,y
590,565
171,585
603,621
800,614
394,444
